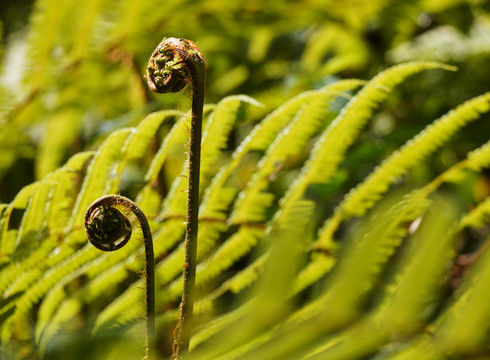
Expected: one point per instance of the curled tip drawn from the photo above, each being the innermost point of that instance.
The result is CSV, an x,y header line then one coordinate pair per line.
x,y
107,228
168,67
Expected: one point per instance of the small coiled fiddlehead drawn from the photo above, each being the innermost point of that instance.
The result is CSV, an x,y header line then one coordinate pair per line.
x,y
173,64
108,229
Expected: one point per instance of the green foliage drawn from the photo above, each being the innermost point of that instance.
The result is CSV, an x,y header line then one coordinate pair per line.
x,y
272,280
339,219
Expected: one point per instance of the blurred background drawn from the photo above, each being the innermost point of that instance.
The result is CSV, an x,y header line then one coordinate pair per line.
x,y
71,71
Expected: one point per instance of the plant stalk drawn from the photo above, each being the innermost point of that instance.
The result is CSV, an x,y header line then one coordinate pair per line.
x,y
173,64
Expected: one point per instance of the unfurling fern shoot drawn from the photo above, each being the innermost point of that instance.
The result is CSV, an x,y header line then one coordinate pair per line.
x,y
173,64
108,229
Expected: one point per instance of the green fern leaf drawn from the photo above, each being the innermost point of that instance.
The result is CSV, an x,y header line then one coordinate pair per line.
x,y
102,175
44,34
477,217
364,196
57,218
147,130
463,327
334,141
412,153
253,201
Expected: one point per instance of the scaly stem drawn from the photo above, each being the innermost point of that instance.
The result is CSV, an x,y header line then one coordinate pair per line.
x,y
108,229
174,63
189,272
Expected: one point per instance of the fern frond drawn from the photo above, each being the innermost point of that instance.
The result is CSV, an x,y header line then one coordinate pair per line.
x,y
34,225
127,14
415,286
469,311
296,133
218,197
86,22
335,140
343,130
224,115
222,259
252,202
175,136
147,129
313,271
403,310
102,175
148,199
45,23
139,141
57,308
477,217
356,342
363,258
217,129
172,265
271,295
56,218
7,243
479,158
105,164
365,195
48,279
217,325
367,251
260,137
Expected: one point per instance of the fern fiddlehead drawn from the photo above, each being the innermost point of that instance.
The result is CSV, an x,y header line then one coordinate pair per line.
x,y
108,229
173,64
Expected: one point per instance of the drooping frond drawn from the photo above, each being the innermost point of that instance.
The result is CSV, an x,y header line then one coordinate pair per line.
x,y
415,284
323,263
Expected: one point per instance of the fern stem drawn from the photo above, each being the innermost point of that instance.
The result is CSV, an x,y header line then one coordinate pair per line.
x,y
108,230
174,63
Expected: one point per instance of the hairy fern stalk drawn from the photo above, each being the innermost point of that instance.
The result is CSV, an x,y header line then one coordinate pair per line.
x,y
384,270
